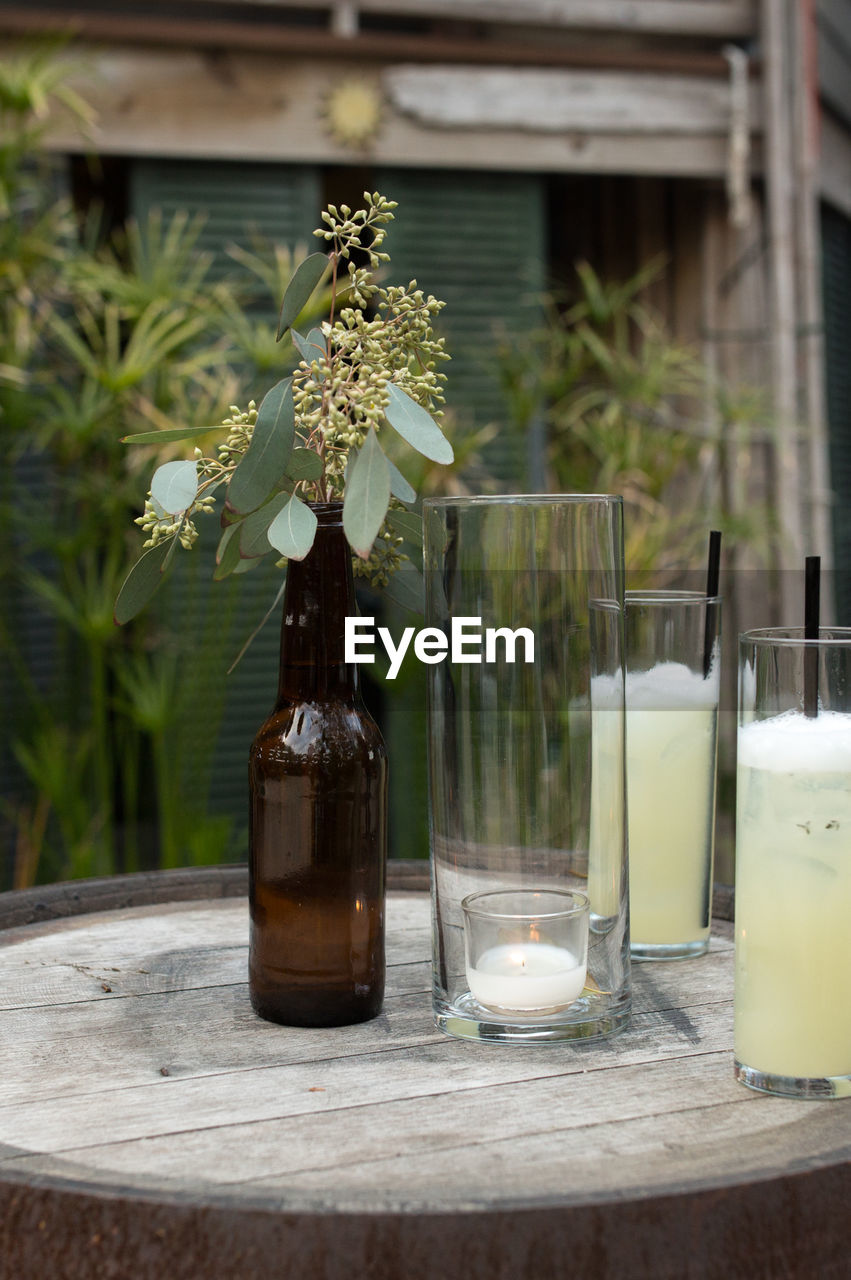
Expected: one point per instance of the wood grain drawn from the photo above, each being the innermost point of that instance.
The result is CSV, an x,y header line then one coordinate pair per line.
x,y
131,1065
272,107
715,17
545,100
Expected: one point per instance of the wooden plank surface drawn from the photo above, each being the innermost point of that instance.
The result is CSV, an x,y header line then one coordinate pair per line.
x,y
271,107
131,1062
546,100
703,17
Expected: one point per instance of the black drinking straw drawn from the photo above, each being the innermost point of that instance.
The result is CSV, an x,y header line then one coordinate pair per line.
x,y
713,572
812,574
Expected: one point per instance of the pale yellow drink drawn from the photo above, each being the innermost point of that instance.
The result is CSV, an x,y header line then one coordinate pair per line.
x,y
606,832
671,723
793,896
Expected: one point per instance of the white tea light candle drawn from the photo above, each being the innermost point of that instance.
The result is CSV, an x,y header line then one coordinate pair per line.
x,y
533,977
526,949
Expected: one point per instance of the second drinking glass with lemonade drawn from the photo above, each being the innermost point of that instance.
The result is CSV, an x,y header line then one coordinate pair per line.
x,y
672,689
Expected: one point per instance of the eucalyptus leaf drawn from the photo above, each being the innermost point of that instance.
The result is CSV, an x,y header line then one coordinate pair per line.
x,y
304,280
172,547
253,539
408,525
399,486
261,624
311,348
169,435
224,540
416,426
174,486
304,464
227,555
367,496
141,582
406,587
293,530
245,565
266,458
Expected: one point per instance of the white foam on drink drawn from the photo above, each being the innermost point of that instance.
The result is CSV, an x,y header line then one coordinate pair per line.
x,y
606,693
795,743
670,686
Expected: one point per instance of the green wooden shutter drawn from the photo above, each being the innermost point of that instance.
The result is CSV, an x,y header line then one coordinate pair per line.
x,y
477,241
280,202
238,200
836,285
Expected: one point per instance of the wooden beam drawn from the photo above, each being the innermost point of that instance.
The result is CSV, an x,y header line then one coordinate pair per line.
x,y
811,315
271,37
550,101
779,174
671,17
265,107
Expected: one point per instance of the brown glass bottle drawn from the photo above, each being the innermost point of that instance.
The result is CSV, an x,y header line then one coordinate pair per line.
x,y
318,834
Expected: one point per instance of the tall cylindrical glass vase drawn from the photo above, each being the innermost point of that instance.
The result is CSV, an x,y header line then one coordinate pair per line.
x,y
526,756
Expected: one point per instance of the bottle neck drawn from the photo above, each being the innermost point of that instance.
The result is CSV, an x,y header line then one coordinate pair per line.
x,y
318,598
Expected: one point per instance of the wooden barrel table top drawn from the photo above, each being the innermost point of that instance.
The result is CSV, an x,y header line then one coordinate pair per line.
x,y
151,1125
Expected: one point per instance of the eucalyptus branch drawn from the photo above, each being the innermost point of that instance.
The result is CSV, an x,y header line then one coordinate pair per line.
x,y
371,366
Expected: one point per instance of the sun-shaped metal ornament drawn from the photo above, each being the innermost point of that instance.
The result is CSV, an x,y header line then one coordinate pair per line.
x,y
353,111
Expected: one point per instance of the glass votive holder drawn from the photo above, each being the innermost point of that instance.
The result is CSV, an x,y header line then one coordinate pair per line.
x,y
526,949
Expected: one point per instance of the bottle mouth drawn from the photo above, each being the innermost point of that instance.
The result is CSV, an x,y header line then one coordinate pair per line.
x,y
327,513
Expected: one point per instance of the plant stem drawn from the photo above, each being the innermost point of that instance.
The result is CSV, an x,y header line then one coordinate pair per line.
x,y
324,400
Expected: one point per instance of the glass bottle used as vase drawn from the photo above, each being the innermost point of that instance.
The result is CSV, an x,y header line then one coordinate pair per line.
x,y
318,826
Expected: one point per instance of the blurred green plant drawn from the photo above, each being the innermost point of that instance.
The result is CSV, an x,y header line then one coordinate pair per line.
x,y
98,339
627,409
